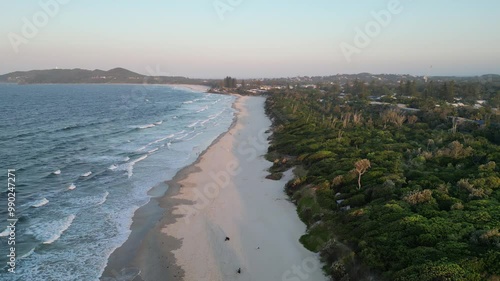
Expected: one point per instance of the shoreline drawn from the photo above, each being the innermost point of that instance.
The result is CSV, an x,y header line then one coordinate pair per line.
x,y
181,235
145,222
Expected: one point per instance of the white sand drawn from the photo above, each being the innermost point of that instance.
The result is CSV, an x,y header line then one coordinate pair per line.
x,y
263,227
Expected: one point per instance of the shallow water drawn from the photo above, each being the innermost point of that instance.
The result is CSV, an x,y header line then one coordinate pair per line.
x,y
85,157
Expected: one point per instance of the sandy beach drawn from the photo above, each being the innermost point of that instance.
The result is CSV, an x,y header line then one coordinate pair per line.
x,y
220,218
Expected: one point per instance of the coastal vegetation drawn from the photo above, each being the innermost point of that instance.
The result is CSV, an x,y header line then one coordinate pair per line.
x,y
395,181
229,82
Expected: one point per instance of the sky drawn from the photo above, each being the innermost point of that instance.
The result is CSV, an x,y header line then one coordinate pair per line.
x,y
253,38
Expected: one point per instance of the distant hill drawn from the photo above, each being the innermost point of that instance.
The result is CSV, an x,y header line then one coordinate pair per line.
x,y
77,75
124,76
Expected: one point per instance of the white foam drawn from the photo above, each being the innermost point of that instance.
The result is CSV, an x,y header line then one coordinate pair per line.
x,y
87,174
193,124
161,139
60,227
104,198
203,108
71,186
194,136
40,203
58,172
156,141
153,150
187,102
27,254
5,233
130,166
146,126
142,148
181,137
216,115
112,231
159,122
211,117
205,121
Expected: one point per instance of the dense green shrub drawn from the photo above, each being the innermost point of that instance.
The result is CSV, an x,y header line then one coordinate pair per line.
x,y
429,205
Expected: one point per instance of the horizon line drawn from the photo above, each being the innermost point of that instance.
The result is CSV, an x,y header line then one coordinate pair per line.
x,y
256,78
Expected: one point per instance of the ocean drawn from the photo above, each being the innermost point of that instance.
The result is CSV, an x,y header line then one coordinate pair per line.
x,y
85,157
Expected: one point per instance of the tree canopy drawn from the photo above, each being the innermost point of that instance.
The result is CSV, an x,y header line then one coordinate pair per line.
x,y
429,204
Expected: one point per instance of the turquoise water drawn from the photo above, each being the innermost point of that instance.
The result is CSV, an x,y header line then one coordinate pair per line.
x,y
85,157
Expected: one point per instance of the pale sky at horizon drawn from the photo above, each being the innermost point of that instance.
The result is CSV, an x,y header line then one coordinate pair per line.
x,y
258,38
